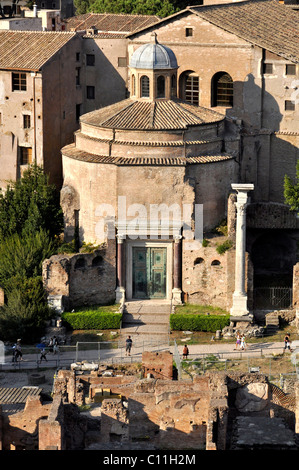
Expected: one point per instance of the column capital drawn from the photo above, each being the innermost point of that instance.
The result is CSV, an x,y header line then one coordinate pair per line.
x,y
242,187
120,237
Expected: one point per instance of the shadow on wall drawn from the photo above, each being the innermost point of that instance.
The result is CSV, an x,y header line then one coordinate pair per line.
x,y
266,157
109,87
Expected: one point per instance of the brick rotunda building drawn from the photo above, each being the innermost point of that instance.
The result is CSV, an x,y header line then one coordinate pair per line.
x,y
141,171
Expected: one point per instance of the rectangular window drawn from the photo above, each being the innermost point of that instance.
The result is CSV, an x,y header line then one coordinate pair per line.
x,y
78,111
268,68
26,121
122,61
77,56
19,81
291,69
289,105
90,59
77,76
26,155
188,32
90,92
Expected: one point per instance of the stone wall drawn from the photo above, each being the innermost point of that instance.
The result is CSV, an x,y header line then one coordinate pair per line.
x,y
161,413
20,430
209,278
157,365
51,430
83,278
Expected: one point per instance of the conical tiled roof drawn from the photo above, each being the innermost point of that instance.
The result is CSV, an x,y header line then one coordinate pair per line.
x,y
155,115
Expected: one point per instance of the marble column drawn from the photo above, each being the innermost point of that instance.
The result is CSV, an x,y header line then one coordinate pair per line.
x,y
177,270
239,308
120,289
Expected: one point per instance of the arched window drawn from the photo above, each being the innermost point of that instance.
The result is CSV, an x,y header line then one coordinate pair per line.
x,y
144,86
222,90
80,263
161,87
189,87
133,85
215,262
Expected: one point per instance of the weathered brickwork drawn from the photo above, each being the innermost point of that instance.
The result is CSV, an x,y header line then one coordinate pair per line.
x,y
155,413
81,279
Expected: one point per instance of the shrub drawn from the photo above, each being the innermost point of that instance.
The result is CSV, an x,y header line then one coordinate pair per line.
x,y
199,322
92,320
223,247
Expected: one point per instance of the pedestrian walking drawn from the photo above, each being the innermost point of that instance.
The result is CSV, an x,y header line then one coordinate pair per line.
x,y
243,343
287,342
185,352
129,343
51,345
43,355
55,345
18,351
238,341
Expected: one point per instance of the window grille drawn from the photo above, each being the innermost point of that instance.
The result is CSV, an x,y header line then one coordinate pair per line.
x,y
291,69
145,91
19,82
192,89
268,68
222,90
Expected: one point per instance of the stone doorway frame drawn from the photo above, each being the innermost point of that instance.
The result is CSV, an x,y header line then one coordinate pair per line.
x,y
168,244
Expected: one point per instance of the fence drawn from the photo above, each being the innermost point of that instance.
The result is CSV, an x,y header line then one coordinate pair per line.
x,y
272,297
263,358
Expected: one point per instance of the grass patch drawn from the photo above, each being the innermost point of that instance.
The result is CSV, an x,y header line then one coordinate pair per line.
x,y
199,309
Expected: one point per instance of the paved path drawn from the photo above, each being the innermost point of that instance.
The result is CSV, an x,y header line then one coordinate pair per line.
x,y
111,356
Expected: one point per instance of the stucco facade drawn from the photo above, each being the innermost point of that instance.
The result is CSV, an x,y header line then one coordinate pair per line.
x,y
37,103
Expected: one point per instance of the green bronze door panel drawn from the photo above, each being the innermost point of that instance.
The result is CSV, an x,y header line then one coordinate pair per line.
x,y
149,273
158,273
139,272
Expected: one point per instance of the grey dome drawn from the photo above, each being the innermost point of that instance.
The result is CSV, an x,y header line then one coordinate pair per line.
x,y
153,56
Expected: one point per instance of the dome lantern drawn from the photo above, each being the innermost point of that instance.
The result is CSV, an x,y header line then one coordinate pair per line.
x,y
153,71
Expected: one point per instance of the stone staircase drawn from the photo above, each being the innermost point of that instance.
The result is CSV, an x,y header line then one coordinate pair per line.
x,y
272,322
146,320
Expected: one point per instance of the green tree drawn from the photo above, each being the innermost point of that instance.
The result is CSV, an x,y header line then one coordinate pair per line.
x,y
21,258
81,6
30,221
30,204
135,7
25,312
291,191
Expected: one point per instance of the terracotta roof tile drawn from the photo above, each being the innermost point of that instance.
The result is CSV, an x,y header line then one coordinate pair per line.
x,y
72,152
30,50
110,22
266,23
158,115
